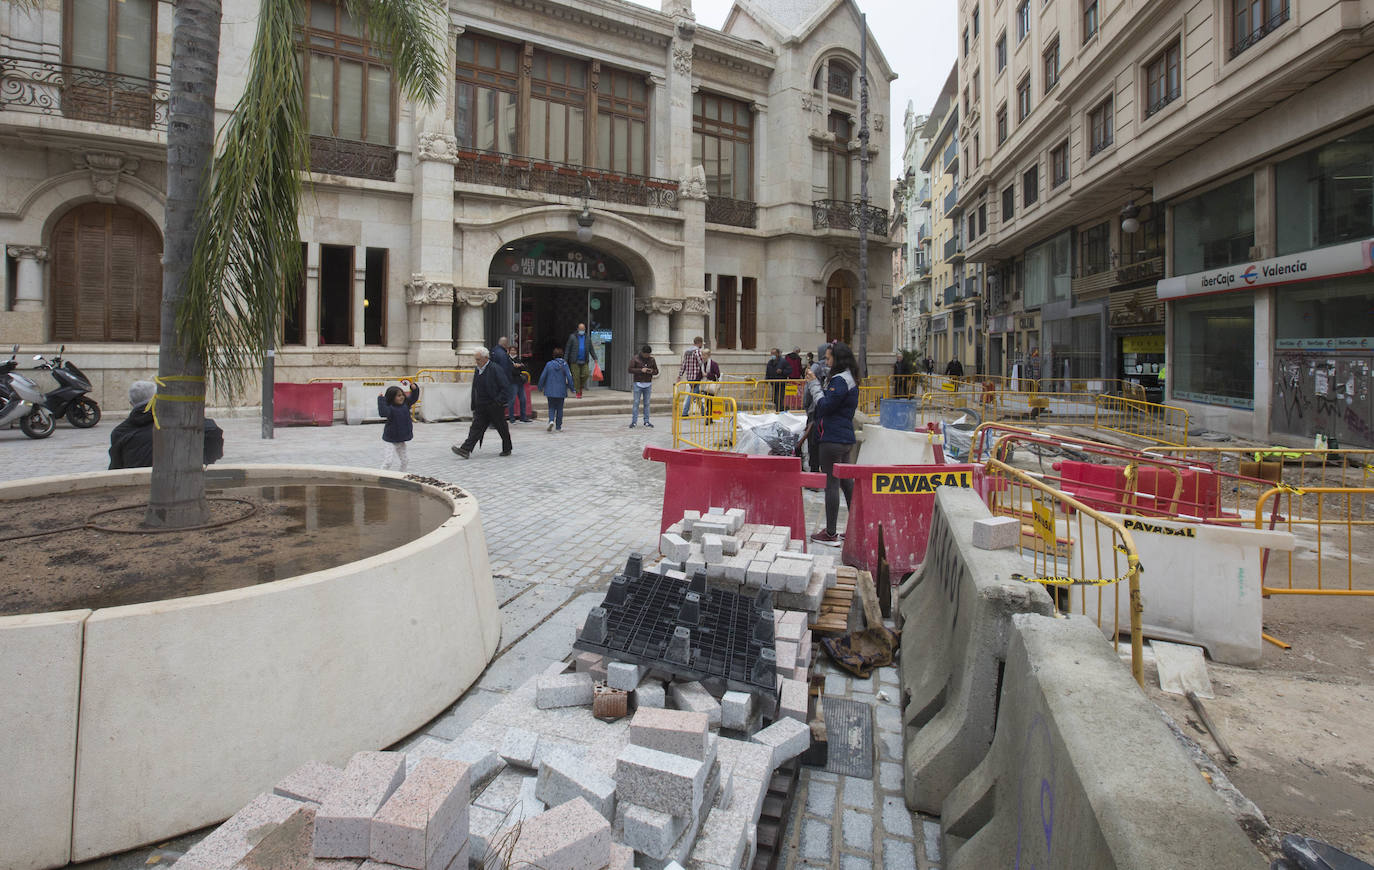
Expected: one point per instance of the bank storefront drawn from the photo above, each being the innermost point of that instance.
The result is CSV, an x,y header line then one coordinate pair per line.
x,y
1290,339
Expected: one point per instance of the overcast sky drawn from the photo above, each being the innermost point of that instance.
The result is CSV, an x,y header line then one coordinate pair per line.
x,y
917,38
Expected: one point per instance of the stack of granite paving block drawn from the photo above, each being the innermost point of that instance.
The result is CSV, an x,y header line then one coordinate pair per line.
x,y
372,814
738,554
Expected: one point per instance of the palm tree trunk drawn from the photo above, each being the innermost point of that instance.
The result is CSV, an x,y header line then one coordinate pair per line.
x,y
177,494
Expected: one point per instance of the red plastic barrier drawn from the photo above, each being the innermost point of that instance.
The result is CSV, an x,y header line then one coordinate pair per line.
x,y
304,404
900,498
769,488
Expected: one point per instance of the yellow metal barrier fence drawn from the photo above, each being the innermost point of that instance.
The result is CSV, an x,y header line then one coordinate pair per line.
x,y
1263,467
703,421
1335,522
1162,424
1066,540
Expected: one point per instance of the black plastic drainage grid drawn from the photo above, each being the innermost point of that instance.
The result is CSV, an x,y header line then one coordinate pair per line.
x,y
638,630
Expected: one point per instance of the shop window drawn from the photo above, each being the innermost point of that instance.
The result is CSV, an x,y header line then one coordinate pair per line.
x,y
336,294
723,142
1048,272
1216,228
488,94
726,303
1095,247
749,314
346,80
293,304
1076,346
1310,315
622,123
1214,350
1059,164
374,296
106,275
1327,194
1101,127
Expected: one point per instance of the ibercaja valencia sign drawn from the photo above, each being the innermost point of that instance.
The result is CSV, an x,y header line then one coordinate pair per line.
x,y
916,484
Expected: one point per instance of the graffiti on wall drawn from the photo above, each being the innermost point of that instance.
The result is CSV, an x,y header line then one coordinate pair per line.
x,y
1316,393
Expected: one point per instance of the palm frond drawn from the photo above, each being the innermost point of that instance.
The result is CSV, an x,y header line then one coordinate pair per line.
x,y
248,240
413,33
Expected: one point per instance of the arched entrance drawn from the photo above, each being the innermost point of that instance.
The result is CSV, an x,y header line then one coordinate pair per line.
x,y
839,307
106,275
550,285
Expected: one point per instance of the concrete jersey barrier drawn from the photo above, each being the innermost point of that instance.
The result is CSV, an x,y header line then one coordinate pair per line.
x,y
959,616
1083,772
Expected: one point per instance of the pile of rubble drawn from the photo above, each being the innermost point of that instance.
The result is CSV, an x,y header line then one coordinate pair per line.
x,y
660,758
732,551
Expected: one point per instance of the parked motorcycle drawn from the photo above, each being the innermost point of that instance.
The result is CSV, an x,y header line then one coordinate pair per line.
x,y
22,401
69,399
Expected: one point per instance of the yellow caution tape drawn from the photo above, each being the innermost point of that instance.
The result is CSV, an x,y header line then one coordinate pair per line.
x,y
158,397
1070,581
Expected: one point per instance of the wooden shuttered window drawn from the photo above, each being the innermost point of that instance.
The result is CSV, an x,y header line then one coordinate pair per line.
x,y
106,276
749,314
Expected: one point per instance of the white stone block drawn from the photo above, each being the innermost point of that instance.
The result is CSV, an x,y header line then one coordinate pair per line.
x,y
792,700
573,835
651,693
343,825
519,748
713,548
736,709
484,762
996,533
729,545
624,675
757,572
681,732
648,830
420,815
693,696
669,783
674,548
562,777
787,738
563,690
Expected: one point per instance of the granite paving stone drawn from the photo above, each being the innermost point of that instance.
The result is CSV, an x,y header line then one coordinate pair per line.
x,y
858,830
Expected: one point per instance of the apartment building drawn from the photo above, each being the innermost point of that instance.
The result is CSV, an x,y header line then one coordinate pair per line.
x,y
911,205
1183,179
953,315
592,161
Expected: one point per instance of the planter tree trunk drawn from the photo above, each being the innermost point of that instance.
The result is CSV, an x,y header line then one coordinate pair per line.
x,y
177,494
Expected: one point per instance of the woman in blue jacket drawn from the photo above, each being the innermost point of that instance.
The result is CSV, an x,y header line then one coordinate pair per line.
x,y
834,406
555,382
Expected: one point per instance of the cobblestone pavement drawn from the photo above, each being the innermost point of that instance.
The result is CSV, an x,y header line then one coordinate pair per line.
x,y
560,516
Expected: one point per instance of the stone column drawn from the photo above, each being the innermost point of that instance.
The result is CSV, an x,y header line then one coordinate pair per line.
x,y
691,203
678,89
691,322
28,288
659,309
472,319
429,293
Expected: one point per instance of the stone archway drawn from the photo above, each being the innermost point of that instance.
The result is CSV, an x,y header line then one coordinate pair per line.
x,y
105,264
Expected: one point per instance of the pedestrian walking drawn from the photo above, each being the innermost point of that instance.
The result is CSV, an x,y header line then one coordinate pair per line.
x,y
580,356
394,407
501,356
690,372
795,366
817,369
490,392
835,404
954,368
554,382
710,374
777,373
644,369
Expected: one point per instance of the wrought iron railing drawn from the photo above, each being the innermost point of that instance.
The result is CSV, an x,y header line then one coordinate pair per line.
x,y
951,199
352,158
562,179
1245,40
1141,271
971,287
924,196
49,88
951,294
839,214
732,212
1165,99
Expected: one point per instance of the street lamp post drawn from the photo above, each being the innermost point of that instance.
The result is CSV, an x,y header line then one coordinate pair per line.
x,y
862,314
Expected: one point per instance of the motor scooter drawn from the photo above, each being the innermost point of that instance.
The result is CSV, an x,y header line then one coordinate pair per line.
x,y
69,399
21,401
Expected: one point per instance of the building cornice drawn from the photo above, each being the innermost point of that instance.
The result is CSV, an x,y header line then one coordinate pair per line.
x,y
729,53
623,19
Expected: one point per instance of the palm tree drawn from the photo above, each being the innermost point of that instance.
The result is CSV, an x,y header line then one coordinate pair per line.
x,y
231,222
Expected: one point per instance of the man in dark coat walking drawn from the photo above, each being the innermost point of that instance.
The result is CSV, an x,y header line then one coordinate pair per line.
x,y
580,356
490,390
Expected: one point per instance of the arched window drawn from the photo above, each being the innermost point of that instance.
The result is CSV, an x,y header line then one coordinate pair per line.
x,y
106,275
836,77
839,308
838,181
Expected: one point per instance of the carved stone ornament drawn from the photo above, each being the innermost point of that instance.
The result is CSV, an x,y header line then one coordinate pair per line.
x,y
682,59
440,147
658,305
810,103
475,296
693,185
420,291
686,22
878,122
106,168
655,81
27,252
697,305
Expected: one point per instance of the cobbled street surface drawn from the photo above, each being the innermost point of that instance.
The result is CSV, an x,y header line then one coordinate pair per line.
x,y
560,516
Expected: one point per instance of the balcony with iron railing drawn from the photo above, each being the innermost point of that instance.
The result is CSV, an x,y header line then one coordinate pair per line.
x,y
952,199
950,160
951,294
923,197
1261,29
838,214
494,169
971,287
732,212
352,158
41,87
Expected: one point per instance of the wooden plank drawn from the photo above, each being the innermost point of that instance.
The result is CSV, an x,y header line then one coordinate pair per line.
x,y
868,597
